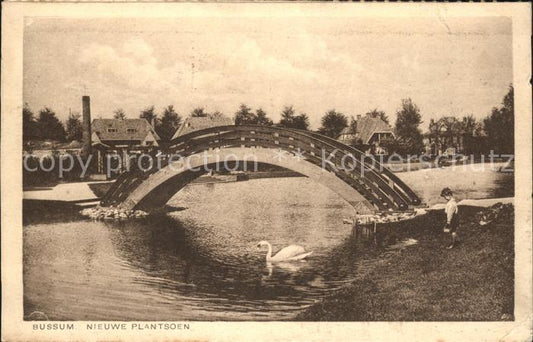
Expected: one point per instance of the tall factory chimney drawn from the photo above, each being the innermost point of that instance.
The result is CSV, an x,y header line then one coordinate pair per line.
x,y
86,126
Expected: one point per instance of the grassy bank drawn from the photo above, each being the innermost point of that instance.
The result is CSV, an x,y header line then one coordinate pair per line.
x,y
474,281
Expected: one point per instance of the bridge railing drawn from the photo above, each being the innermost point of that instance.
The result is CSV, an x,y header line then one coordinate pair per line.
x,y
385,172
313,150
376,183
313,143
254,138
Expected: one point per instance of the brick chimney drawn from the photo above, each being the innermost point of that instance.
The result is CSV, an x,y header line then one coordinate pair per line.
x,y
86,126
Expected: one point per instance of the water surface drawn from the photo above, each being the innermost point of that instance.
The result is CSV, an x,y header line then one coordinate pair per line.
x,y
202,263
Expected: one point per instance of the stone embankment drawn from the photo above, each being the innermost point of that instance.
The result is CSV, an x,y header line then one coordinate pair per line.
x,y
384,217
112,213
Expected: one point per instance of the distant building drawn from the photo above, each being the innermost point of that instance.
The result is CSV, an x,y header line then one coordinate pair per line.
x,y
347,136
191,124
50,148
449,136
124,133
369,133
122,137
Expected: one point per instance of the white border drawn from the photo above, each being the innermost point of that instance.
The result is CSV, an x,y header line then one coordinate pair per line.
x,y
11,191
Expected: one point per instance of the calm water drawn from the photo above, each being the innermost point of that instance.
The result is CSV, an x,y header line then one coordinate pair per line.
x,y
473,181
202,263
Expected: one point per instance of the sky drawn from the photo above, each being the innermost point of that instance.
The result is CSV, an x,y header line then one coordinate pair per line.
x,y
452,67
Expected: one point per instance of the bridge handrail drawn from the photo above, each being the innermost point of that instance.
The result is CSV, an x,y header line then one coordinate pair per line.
x,y
315,138
383,189
206,143
386,172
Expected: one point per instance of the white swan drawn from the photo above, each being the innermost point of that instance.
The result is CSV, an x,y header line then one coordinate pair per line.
x,y
289,253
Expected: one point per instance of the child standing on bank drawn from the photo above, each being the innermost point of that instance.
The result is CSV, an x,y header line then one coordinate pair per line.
x,y
452,215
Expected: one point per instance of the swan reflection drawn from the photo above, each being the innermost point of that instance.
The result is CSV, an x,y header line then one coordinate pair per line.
x,y
286,267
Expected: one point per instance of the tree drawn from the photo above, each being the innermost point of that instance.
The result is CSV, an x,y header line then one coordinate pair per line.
x,y
149,115
468,127
198,112
393,145
301,121
468,124
289,119
49,125
333,123
170,121
375,113
499,125
245,116
508,99
30,129
119,114
407,127
262,119
449,127
74,127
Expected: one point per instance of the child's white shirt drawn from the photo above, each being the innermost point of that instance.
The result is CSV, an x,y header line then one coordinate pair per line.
x,y
451,209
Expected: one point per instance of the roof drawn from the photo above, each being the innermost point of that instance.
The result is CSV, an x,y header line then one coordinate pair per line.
x,y
367,126
191,124
122,129
347,131
74,144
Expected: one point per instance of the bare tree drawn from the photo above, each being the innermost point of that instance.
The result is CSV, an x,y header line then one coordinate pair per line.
x,y
119,114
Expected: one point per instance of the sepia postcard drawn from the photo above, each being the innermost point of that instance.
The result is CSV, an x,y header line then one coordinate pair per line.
x,y
236,171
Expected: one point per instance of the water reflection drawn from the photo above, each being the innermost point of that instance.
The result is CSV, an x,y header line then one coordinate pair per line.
x,y
173,261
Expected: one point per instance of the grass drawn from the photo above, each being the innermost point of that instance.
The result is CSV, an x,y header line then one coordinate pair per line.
x,y
100,189
472,282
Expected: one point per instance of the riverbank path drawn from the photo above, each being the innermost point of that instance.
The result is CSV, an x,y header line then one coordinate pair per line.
x,y
78,192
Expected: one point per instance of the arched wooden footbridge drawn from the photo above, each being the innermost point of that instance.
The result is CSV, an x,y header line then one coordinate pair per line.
x,y
360,180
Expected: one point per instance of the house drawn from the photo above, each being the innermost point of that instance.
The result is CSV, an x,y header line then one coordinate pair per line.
x,y
347,136
122,137
191,124
369,132
449,136
124,133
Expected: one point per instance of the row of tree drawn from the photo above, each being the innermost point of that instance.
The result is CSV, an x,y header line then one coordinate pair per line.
x,y
289,119
496,129
46,125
